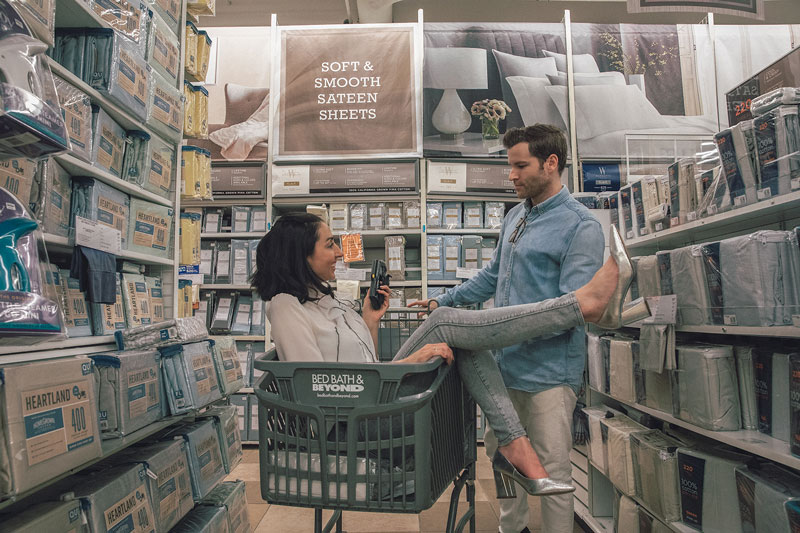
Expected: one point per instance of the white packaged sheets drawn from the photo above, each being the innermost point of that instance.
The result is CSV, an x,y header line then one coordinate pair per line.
x,y
597,453
129,391
655,465
708,389
708,489
616,433
38,403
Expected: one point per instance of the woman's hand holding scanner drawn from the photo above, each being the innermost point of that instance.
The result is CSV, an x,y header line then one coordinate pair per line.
x,y
428,352
430,304
370,315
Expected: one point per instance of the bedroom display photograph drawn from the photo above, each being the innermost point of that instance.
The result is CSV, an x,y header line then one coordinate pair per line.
x,y
451,69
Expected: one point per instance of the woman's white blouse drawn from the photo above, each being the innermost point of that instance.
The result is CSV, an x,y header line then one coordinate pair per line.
x,y
323,330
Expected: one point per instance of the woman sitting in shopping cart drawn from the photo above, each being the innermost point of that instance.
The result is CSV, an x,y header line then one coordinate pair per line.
x,y
297,259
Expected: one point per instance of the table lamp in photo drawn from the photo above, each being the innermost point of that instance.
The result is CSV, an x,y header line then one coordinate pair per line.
x,y
451,69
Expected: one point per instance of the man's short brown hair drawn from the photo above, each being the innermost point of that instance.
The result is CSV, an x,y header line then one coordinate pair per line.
x,y
543,141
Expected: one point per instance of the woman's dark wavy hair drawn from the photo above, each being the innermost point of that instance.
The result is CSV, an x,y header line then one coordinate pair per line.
x,y
281,259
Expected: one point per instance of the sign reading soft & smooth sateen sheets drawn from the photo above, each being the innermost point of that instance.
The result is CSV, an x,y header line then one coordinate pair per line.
x,y
347,92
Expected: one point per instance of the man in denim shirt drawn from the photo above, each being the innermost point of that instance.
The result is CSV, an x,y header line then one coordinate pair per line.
x,y
549,245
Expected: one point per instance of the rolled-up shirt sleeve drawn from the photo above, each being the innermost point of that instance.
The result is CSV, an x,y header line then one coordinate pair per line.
x,y
291,330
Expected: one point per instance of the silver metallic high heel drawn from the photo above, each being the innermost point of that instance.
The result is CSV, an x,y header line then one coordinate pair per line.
x,y
505,474
612,316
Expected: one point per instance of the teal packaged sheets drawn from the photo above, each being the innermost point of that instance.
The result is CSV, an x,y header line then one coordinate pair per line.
x,y
57,212
47,517
226,423
228,368
190,377
205,456
167,477
150,228
108,142
129,391
231,495
98,202
115,500
204,519
165,108
163,48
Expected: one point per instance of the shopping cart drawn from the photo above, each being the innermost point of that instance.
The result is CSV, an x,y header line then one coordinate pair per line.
x,y
366,437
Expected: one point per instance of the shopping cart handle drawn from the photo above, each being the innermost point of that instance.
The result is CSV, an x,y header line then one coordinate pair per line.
x,y
260,363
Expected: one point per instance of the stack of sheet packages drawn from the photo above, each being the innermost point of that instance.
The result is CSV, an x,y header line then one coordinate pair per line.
x,y
661,479
754,160
59,411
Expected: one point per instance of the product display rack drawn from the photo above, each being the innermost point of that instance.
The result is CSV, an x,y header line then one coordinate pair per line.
x,y
79,14
779,212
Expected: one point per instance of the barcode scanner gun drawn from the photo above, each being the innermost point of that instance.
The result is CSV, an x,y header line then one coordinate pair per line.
x,y
378,277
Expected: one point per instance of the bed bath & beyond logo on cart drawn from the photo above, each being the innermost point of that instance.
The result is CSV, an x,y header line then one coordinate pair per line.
x,y
337,383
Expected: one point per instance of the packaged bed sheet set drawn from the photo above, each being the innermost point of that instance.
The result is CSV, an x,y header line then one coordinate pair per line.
x,y
49,517
231,495
205,455
226,423
190,377
150,228
96,201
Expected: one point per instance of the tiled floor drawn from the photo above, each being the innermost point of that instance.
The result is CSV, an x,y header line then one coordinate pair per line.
x,y
266,518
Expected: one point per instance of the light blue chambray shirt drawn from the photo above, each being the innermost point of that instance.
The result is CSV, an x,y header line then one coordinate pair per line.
x,y
560,249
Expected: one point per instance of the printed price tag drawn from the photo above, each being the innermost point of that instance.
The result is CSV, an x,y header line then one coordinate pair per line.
x,y
795,184
664,309
629,235
730,320
92,234
674,221
692,216
354,274
765,193
740,200
796,320
659,226
466,273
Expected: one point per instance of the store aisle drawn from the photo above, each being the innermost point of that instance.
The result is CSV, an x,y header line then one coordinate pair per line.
x,y
266,518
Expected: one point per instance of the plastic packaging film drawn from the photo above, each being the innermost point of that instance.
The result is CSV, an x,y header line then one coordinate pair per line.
x,y
160,172
108,145
150,228
76,309
126,17
772,391
394,215
772,99
76,108
655,464
191,187
708,389
452,215
242,315
23,463
165,108
228,368
434,216
763,493
205,456
167,333
48,516
200,107
616,434
473,214
494,214
96,201
597,442
747,387
203,519
411,214
471,249
435,249
31,121
240,219
40,17
396,257
226,423
201,7
163,48
451,246
337,217
23,178
170,11
240,262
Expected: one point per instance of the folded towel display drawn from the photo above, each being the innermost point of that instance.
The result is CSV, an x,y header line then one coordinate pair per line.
x,y
707,387
763,493
66,516
114,499
708,489
166,333
203,519
228,367
747,386
231,496
655,465
150,228
772,382
38,399
226,422
190,377
205,456
136,300
616,433
167,478
96,201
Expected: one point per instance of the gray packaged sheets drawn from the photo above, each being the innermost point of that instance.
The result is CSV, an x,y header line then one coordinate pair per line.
x,y
688,279
228,367
708,489
166,333
648,278
759,275
190,377
205,456
231,495
167,477
747,387
115,499
707,387
47,517
98,202
763,493
38,401
108,142
226,423
129,391
655,465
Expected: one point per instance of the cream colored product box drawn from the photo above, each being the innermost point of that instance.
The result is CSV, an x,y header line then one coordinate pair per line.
x,y
48,517
47,421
